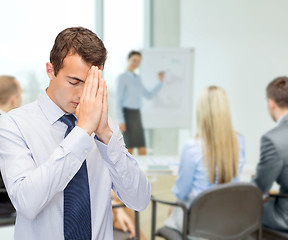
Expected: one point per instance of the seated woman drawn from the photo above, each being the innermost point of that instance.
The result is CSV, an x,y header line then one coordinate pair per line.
x,y
214,156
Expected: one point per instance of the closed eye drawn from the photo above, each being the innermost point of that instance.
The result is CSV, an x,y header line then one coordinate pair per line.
x,y
74,83
74,80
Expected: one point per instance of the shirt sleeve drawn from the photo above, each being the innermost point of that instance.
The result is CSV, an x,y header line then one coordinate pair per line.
x,y
241,159
184,181
31,186
269,167
149,94
128,181
120,91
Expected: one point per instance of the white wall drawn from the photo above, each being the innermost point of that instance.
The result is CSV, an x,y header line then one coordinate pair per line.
x,y
28,30
241,46
165,23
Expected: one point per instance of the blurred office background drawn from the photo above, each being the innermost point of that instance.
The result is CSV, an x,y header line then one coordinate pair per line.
x,y
239,45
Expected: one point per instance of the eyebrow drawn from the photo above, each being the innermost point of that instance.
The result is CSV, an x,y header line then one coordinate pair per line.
x,y
75,78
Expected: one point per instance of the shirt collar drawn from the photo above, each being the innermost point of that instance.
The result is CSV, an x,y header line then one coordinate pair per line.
x,y
282,119
49,108
1,112
130,73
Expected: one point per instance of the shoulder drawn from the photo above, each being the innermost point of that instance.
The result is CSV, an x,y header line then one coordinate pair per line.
x,y
278,133
30,108
275,139
192,150
26,112
192,143
241,139
123,76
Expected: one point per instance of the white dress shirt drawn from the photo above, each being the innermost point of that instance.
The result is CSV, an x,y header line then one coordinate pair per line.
x,y
37,163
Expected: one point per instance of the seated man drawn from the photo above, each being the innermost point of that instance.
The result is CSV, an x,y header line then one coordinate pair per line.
x,y
10,98
273,165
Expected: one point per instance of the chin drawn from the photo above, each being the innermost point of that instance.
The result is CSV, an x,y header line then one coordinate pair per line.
x,y
70,110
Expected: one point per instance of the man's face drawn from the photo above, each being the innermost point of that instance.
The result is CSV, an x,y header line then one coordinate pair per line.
x,y
65,89
134,61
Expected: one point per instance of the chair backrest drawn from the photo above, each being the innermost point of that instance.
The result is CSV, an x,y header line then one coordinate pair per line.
x,y
228,211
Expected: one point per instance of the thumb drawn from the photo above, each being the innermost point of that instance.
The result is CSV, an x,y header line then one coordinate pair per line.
x,y
77,110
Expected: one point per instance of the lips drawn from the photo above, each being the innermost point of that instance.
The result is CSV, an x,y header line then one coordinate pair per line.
x,y
75,104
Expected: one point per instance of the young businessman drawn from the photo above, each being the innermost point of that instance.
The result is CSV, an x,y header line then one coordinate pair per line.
x,y
59,175
273,165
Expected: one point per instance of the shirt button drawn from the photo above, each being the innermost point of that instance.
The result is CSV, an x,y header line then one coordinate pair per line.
x,y
123,176
112,153
85,151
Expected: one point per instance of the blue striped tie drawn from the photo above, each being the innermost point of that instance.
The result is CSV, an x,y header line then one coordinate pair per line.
x,y
77,211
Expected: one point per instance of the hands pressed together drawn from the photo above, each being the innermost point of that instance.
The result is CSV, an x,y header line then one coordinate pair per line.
x,y
92,111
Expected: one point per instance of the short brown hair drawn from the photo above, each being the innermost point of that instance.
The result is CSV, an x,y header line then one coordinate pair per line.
x,y
8,87
81,41
278,91
133,52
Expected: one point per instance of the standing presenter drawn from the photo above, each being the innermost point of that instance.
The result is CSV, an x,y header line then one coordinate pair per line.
x,y
130,91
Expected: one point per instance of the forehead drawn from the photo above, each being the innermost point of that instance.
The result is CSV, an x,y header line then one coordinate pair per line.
x,y
74,64
135,57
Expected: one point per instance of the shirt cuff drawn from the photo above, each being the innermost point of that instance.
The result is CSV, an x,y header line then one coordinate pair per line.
x,y
111,152
78,142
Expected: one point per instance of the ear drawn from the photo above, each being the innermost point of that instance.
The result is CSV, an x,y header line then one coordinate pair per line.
x,y
50,70
12,101
271,103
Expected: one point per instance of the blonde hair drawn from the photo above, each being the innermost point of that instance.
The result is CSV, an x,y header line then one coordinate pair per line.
x,y
219,140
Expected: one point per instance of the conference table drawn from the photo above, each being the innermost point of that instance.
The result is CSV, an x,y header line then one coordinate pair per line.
x,y
159,165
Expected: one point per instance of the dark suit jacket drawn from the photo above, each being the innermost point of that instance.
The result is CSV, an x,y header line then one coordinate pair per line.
x,y
273,166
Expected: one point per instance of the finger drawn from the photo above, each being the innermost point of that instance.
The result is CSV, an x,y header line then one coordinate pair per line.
x,y
86,91
105,98
100,74
131,228
100,92
93,84
123,226
77,110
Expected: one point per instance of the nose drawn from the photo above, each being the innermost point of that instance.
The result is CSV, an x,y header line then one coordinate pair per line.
x,y
79,90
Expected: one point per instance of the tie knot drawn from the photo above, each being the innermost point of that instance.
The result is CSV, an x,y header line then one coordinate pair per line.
x,y
68,119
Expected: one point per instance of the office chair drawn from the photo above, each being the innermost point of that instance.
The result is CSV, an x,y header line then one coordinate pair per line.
x,y
119,234
229,211
271,234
